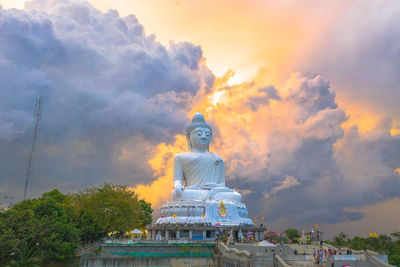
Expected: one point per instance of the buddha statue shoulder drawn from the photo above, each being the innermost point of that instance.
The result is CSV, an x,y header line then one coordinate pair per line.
x,y
200,175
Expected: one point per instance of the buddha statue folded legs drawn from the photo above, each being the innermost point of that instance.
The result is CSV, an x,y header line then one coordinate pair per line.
x,y
200,194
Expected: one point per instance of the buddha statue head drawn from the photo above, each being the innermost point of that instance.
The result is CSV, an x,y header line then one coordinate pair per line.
x,y
198,134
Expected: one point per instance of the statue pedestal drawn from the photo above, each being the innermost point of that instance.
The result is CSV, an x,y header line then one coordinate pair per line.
x,y
207,213
197,220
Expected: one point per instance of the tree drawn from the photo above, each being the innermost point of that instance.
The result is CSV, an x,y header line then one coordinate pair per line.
x,y
340,239
385,243
357,243
396,235
147,213
50,228
292,233
382,244
97,211
37,231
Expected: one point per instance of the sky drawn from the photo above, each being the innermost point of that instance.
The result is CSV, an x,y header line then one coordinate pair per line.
x,y
302,97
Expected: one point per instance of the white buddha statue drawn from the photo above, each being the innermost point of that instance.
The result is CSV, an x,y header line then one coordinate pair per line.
x,y
200,175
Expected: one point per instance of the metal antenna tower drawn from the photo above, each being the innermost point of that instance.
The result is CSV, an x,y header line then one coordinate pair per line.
x,y
37,115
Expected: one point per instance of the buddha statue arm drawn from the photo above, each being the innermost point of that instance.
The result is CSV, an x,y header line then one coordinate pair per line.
x,y
178,176
220,175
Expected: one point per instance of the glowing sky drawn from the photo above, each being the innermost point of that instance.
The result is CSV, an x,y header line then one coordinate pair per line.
x,y
307,121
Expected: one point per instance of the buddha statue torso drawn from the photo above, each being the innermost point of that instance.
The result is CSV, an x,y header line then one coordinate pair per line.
x,y
204,170
199,174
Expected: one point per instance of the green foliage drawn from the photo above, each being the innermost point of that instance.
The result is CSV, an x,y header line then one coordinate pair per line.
x,y
384,244
339,240
97,211
292,233
396,236
37,231
147,213
50,228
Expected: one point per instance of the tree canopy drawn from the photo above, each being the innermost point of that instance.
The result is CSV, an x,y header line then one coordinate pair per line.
x,y
340,239
384,244
97,211
292,233
36,231
50,228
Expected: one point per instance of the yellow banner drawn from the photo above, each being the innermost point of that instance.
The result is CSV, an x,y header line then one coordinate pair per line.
x,y
373,235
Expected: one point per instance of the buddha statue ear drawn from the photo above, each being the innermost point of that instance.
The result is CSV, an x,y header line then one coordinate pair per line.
x,y
188,142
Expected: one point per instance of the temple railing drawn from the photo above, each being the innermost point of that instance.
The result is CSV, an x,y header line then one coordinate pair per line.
x,y
278,262
373,260
233,256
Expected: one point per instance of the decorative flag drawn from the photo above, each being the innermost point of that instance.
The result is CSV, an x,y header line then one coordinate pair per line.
x,y
263,218
346,265
202,215
155,218
254,220
217,225
281,234
162,216
373,235
316,225
249,235
174,215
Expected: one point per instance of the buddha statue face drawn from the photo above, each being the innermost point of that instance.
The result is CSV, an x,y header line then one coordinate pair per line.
x,y
198,134
199,139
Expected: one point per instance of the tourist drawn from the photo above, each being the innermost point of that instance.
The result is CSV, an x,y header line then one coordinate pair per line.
x,y
295,251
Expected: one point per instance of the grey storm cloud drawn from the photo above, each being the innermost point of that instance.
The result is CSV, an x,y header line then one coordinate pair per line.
x,y
105,85
313,168
360,52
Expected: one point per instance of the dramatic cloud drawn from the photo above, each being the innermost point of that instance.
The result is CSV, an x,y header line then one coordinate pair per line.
x,y
291,154
107,87
358,48
116,103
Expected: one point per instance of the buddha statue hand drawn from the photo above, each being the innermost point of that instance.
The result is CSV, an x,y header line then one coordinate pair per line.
x,y
178,189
